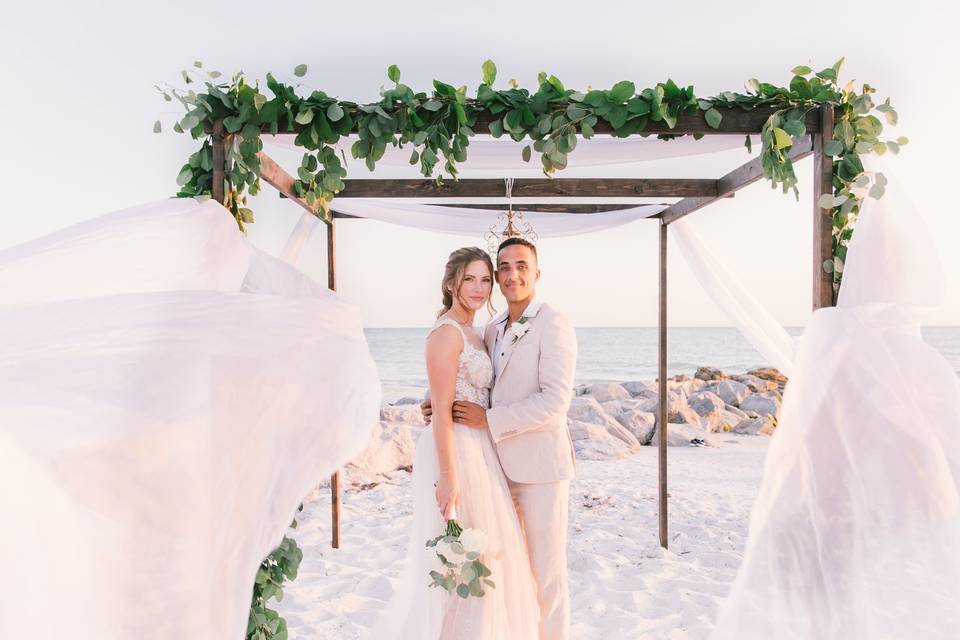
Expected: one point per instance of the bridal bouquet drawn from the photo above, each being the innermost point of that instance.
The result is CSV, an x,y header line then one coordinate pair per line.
x,y
458,560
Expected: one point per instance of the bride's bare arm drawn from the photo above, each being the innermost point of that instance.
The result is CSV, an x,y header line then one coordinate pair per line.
x,y
443,356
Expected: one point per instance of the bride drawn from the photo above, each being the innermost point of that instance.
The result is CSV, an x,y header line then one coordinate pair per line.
x,y
457,471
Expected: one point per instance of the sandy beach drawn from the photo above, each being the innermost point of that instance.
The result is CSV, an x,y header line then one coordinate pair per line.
x,y
623,584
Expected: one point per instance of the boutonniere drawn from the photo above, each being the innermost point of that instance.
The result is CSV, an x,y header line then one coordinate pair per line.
x,y
518,329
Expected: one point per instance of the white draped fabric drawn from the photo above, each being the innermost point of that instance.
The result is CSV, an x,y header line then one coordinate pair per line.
x,y
757,325
503,155
853,534
168,395
476,222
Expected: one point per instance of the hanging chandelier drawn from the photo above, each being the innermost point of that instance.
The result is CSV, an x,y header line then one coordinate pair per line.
x,y
509,224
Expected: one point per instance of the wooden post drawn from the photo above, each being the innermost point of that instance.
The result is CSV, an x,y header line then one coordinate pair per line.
x,y
822,218
335,478
219,163
662,382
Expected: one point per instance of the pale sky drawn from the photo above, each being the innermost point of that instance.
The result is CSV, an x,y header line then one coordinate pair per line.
x,y
79,106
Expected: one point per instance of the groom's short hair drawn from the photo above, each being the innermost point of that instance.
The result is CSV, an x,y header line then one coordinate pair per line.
x,y
521,241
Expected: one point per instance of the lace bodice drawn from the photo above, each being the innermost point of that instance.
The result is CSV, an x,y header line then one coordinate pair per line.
x,y
475,372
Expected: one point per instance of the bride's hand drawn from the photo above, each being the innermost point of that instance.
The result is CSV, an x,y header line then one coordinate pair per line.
x,y
448,495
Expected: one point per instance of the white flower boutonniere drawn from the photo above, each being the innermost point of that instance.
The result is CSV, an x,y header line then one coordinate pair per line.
x,y
518,329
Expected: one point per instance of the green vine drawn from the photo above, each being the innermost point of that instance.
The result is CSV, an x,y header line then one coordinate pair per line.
x,y
438,126
282,564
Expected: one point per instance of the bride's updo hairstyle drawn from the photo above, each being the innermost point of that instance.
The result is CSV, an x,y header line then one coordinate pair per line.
x,y
453,275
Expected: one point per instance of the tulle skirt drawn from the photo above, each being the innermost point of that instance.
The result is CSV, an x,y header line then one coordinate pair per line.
x,y
507,612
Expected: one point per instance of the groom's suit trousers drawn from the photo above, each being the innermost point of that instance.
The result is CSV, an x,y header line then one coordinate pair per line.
x,y
543,511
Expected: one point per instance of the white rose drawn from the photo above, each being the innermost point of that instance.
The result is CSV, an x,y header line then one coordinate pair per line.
x,y
474,540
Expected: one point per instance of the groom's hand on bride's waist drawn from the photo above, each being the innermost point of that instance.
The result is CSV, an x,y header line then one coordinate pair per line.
x,y
427,410
470,414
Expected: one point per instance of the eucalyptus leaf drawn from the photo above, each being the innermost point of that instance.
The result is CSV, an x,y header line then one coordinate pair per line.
x,y
713,117
622,91
300,70
305,117
525,154
156,127
393,72
489,72
825,201
184,176
781,138
833,148
334,112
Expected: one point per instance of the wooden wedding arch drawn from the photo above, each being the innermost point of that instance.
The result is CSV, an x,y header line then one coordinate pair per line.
x,y
693,193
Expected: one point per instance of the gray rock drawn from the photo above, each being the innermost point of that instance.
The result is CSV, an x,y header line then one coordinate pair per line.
x,y
649,405
769,373
680,435
602,441
391,447
754,426
633,404
709,373
710,408
754,383
731,391
587,409
404,413
735,411
407,400
613,407
605,392
646,394
691,387
762,404
600,450
639,423
635,388
729,418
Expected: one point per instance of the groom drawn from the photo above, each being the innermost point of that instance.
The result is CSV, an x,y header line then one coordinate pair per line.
x,y
534,354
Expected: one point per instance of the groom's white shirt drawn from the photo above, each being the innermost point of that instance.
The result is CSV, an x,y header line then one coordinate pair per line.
x,y
501,345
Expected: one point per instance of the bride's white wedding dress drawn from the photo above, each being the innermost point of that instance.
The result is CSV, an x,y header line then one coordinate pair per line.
x,y
507,612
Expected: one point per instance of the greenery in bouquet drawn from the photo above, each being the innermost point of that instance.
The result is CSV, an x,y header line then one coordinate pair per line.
x,y
458,561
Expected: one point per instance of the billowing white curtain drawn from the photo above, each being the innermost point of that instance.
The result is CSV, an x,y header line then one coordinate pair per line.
x,y
854,532
168,395
757,325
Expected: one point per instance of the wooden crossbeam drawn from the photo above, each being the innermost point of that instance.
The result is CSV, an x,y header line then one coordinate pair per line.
x,y
549,208
533,188
734,181
277,177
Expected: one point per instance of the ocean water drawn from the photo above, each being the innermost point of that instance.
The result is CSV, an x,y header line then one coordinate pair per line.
x,y
613,354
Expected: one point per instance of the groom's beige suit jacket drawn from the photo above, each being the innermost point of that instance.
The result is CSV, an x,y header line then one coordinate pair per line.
x,y
531,394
